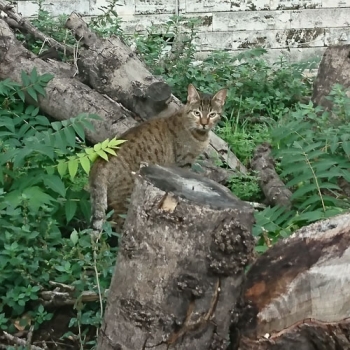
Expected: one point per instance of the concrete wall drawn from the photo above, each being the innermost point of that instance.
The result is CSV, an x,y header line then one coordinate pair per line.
x,y
297,29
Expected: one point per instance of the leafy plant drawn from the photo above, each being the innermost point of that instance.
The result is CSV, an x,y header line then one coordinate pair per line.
x,y
53,27
313,146
108,23
44,207
245,187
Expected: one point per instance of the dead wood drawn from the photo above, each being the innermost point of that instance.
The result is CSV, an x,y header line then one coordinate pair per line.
x,y
274,189
66,96
112,68
333,69
180,265
13,340
297,293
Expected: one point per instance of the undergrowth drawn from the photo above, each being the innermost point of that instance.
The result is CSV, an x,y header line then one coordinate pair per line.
x,y
313,148
44,209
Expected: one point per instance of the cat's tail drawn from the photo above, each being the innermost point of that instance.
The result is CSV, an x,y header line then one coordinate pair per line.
x,y
98,182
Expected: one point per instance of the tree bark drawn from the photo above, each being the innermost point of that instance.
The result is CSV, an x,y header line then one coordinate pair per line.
x,y
333,69
274,189
66,96
297,293
180,266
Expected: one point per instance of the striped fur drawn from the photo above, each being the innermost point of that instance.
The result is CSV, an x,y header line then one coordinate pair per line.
x,y
176,140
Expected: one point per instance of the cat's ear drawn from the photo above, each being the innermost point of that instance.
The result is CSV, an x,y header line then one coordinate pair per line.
x,y
192,94
220,97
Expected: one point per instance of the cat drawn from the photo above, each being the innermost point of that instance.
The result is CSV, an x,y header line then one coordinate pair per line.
x,y
175,140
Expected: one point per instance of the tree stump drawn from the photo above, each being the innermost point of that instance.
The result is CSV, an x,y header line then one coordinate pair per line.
x,y
334,69
180,266
297,293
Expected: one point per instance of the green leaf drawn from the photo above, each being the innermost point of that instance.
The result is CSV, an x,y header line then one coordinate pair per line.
x,y
301,191
97,147
305,176
62,167
102,154
25,78
70,210
21,95
334,143
55,183
70,136
56,126
85,208
104,144
35,196
346,147
32,93
45,78
74,237
40,90
42,120
34,74
110,151
59,142
78,128
311,216
85,164
73,167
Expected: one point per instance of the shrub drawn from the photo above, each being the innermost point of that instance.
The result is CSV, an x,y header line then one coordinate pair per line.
x,y
44,207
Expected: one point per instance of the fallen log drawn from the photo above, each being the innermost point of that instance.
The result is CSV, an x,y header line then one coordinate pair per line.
x,y
112,68
180,266
66,96
274,189
297,293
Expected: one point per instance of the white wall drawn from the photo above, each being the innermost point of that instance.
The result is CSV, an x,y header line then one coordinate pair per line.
x,y
298,29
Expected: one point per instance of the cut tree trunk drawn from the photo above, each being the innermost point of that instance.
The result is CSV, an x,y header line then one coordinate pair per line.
x,y
274,189
334,69
66,96
297,293
112,68
180,266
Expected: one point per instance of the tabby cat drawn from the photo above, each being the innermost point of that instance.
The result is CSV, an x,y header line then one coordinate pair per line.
x,y
175,140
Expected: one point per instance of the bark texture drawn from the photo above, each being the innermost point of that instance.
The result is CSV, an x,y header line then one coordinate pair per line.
x,y
297,293
334,69
66,96
181,264
274,189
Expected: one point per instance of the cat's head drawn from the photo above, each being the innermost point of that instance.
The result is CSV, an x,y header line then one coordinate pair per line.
x,y
204,111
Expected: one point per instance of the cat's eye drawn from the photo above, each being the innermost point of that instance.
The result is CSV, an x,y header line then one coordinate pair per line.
x,y
212,115
197,113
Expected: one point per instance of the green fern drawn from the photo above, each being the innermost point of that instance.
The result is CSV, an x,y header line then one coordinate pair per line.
x,y
313,150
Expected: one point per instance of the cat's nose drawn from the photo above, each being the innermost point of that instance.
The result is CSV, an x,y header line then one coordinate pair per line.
x,y
204,122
